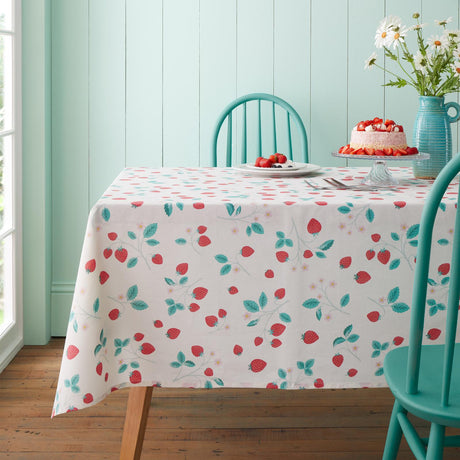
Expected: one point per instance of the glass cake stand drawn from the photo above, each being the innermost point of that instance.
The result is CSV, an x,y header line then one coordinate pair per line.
x,y
379,175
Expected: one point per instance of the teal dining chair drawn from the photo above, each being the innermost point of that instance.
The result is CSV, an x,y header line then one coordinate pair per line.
x,y
425,379
259,99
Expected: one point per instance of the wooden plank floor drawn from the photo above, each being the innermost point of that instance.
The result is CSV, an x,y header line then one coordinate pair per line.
x,y
191,424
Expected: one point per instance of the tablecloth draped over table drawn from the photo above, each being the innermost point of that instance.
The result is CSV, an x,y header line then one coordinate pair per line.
x,y
208,278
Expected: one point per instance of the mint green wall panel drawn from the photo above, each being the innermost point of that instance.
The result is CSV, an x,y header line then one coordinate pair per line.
x,y
329,80
401,104
36,170
141,82
69,115
443,10
365,87
106,94
181,112
61,300
255,46
144,83
217,86
291,54
255,34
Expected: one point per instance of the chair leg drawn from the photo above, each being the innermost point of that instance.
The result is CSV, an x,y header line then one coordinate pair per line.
x,y
394,434
435,448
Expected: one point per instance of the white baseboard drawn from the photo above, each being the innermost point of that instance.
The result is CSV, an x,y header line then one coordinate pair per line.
x,y
6,356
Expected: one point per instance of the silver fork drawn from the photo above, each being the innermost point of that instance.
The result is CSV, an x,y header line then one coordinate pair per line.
x,y
318,187
340,185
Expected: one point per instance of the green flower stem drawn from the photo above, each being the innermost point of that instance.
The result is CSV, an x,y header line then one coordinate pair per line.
x,y
419,75
444,88
405,71
392,73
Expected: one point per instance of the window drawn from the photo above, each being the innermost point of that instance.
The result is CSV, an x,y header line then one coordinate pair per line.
x,y
10,204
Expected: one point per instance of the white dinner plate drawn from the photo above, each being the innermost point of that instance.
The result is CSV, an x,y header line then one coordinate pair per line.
x,y
301,169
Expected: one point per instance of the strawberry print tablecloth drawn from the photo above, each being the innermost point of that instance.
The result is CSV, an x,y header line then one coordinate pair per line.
x,y
210,278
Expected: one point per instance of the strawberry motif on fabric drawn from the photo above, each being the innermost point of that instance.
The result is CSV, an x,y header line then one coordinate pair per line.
x,y
210,278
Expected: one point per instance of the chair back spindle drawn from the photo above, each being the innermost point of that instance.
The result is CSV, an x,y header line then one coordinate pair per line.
x,y
244,136
229,138
260,129
288,121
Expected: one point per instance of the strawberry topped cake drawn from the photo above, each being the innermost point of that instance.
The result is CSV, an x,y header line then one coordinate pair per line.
x,y
376,137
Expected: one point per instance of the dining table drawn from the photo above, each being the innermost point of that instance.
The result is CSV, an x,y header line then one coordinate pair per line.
x,y
208,277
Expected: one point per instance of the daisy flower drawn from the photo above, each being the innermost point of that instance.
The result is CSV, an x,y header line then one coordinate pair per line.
x,y
397,35
444,22
417,27
438,42
456,67
370,61
383,33
392,21
454,35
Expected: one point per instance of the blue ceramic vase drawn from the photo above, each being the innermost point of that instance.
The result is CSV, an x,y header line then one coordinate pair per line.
x,y
432,134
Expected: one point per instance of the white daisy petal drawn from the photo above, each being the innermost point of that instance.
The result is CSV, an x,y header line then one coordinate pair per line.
x,y
438,42
370,61
384,31
443,22
456,67
417,26
397,36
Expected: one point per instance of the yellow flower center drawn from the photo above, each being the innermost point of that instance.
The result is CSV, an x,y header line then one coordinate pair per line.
x,y
397,35
437,43
384,34
458,69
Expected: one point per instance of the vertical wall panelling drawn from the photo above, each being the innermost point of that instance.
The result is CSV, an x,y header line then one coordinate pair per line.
x,y
365,90
443,10
181,133
255,61
36,170
255,46
217,66
401,104
144,83
291,58
106,94
329,80
69,115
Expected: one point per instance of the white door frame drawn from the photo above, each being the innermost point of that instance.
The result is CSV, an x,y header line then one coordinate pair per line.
x,y
12,337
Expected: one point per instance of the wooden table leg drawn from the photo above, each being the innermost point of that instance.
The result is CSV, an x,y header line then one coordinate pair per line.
x,y
137,413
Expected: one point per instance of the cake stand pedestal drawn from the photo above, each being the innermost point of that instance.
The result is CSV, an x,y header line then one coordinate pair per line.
x,y
380,175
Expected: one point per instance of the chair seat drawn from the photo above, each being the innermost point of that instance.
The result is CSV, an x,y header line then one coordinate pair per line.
x,y
426,403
